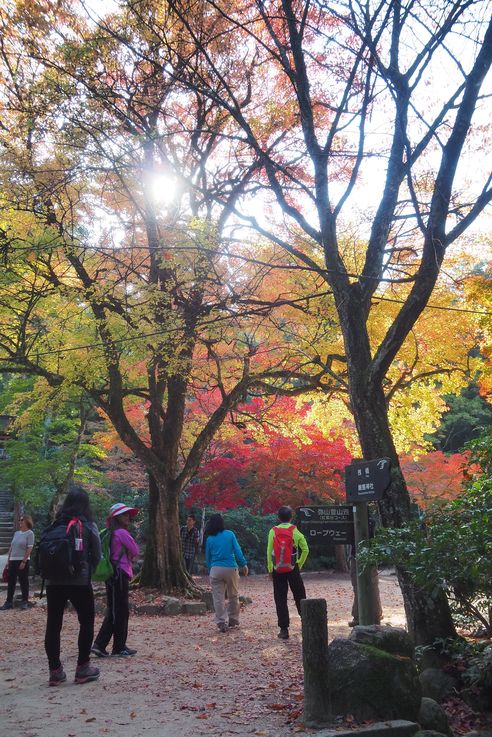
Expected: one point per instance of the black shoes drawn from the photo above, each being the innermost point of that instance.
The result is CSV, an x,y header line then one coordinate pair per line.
x,y
127,652
7,605
99,651
284,633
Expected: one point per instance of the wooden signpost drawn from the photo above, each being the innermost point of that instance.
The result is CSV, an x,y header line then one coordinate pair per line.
x,y
365,481
327,524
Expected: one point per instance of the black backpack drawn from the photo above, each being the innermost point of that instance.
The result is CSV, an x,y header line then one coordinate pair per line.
x,y
61,550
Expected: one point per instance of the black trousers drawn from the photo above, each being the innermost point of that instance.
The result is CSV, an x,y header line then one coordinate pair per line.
x,y
189,561
82,598
281,584
115,623
16,572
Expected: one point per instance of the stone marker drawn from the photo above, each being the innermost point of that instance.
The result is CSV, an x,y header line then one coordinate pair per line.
x,y
317,711
390,728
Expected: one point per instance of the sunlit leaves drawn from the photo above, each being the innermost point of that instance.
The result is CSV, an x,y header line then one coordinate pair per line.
x,y
279,459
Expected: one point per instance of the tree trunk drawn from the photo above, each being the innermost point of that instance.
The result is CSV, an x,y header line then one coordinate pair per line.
x,y
163,561
427,613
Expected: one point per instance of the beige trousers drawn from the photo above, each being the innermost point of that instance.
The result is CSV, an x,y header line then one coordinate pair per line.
x,y
224,579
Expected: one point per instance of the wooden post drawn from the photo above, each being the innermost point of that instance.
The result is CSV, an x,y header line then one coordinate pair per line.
x,y
317,701
364,585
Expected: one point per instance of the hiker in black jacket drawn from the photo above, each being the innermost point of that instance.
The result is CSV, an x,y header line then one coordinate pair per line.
x,y
77,589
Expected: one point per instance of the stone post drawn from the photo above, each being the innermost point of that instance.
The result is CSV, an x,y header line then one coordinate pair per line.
x,y
317,702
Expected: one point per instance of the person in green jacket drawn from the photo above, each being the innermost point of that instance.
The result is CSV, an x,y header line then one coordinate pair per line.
x,y
286,573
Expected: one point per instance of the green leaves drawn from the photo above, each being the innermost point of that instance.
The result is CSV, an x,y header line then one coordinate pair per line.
x,y
450,548
49,444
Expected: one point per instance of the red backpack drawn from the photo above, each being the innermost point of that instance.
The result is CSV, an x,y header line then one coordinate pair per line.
x,y
284,553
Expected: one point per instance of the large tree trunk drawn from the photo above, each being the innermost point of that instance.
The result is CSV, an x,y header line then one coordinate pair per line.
x,y
163,562
427,613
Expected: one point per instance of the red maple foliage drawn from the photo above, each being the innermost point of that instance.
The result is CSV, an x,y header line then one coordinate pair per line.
x,y
436,476
278,469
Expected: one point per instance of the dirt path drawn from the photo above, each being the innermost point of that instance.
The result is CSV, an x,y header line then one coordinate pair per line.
x,y
187,679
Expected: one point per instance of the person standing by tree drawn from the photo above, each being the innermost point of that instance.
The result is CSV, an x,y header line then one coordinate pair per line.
x,y
284,566
124,550
18,562
77,589
223,556
190,540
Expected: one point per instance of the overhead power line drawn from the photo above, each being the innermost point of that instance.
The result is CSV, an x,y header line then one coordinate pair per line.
x,y
257,311
286,267
437,307
122,251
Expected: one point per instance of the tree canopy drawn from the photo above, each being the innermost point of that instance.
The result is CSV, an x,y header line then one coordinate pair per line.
x,y
203,203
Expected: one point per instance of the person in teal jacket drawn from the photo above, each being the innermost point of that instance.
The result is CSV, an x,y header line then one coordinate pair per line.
x,y
283,580
223,556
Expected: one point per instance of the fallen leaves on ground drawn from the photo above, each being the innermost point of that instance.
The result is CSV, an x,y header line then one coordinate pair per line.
x,y
242,682
463,718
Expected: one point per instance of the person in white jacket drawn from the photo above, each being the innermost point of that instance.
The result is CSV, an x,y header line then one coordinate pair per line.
x,y
18,562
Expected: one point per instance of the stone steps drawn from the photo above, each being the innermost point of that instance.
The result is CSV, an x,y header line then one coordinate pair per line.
x,y
6,521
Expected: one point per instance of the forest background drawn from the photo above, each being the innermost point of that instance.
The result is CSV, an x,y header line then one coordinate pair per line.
x,y
240,248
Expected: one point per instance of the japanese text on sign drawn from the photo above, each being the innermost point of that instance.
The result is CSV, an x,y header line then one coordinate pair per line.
x,y
367,480
329,524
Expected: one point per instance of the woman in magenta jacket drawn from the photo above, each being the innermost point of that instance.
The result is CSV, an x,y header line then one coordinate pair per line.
x,y
124,550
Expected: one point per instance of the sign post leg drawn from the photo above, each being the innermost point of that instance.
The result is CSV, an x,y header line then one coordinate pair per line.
x,y
364,590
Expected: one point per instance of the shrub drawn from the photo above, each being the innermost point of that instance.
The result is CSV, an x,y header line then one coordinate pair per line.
x,y
450,547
